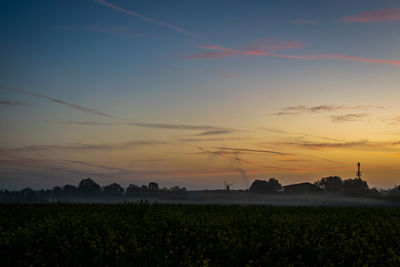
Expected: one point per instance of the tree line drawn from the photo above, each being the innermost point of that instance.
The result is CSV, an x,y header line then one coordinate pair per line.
x,y
330,184
90,190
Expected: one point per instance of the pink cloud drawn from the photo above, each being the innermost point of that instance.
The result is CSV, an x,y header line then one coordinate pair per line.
x,y
267,51
261,47
272,45
132,13
390,14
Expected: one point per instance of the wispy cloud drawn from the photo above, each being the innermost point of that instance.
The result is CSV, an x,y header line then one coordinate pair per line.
x,y
220,52
295,110
351,58
216,132
174,126
235,161
298,134
394,121
391,14
78,147
96,112
252,150
152,125
260,47
132,13
323,145
11,103
59,101
104,29
363,145
302,21
348,117
213,139
234,155
273,130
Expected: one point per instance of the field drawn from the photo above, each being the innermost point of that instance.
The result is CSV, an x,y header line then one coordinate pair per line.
x,y
197,235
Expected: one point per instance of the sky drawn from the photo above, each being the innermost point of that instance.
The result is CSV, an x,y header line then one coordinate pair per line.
x,y
195,93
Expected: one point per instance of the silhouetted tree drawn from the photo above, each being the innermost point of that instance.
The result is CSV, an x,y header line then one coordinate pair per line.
x,y
394,193
177,189
132,189
57,190
28,195
262,186
395,189
89,186
153,186
330,184
274,185
70,189
113,189
356,185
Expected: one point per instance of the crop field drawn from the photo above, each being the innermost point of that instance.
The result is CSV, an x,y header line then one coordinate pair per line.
x,y
197,235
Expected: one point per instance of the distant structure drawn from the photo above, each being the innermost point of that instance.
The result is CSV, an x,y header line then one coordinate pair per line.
x,y
358,173
302,188
227,186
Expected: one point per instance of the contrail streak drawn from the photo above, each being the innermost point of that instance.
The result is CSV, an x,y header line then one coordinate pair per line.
x,y
62,102
132,13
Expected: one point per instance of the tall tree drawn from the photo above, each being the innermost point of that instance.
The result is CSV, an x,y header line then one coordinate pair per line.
x,y
330,184
113,189
153,186
356,185
262,186
89,186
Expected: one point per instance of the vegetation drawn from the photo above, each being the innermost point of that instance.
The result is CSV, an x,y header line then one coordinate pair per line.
x,y
89,191
197,235
270,186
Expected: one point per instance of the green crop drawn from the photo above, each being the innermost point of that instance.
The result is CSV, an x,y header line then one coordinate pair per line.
x,y
197,235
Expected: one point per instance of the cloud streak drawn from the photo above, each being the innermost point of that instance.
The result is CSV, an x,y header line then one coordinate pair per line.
x,y
132,13
322,145
215,132
295,110
365,145
348,117
96,112
197,140
394,121
104,29
259,168
59,101
207,128
78,147
221,52
257,48
391,14
278,131
252,150
11,103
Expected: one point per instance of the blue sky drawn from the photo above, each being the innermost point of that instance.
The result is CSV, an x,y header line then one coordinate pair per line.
x,y
226,64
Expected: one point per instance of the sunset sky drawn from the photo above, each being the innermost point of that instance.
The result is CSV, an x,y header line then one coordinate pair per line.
x,y
192,93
